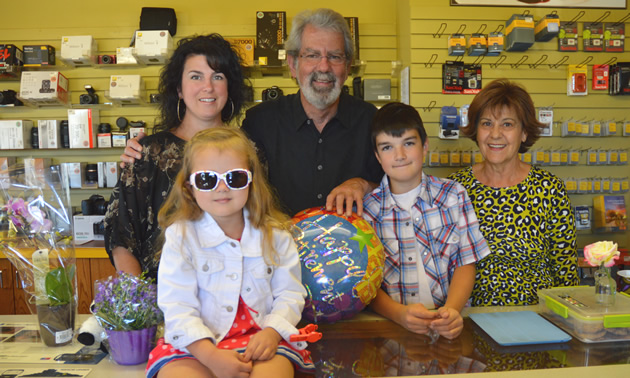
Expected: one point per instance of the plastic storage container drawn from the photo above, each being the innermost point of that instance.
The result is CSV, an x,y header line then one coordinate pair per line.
x,y
574,309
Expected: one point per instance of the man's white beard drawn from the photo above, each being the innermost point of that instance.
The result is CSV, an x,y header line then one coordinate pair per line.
x,y
324,97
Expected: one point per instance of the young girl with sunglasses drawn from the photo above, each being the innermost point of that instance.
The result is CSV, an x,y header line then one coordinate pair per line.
x,y
229,276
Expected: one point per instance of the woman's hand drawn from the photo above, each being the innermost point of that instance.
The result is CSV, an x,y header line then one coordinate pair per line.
x,y
263,345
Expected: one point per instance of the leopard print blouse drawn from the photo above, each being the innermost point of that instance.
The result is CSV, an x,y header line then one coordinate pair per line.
x,y
530,230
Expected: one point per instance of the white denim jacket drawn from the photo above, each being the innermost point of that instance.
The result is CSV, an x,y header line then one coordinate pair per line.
x,y
203,272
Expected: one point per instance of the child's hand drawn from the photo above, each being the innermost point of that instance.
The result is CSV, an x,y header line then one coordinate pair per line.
x,y
227,363
417,318
263,345
449,323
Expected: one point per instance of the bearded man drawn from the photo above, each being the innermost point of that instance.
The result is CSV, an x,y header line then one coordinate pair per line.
x,y
316,143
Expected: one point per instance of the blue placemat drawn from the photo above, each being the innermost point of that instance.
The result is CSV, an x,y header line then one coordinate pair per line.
x,y
519,328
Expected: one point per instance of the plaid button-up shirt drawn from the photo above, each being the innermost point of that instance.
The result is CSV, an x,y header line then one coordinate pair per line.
x,y
442,222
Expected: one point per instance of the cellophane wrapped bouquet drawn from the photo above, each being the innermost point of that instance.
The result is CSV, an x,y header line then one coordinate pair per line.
x,y
36,236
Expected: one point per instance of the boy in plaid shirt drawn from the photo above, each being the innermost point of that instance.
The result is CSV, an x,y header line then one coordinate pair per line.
x,y
428,227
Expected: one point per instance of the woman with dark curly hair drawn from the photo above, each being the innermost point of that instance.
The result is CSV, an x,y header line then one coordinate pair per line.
x,y
524,212
201,86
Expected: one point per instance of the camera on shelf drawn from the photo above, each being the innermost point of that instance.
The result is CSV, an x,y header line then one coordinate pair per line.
x,y
95,205
155,98
271,93
89,98
9,97
107,59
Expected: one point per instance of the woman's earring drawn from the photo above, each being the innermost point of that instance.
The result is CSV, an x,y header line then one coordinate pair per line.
x,y
232,113
178,113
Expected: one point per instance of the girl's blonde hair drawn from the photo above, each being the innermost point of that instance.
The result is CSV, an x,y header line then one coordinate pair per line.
x,y
264,211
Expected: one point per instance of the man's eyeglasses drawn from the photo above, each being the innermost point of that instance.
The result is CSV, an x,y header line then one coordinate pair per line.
x,y
206,181
333,59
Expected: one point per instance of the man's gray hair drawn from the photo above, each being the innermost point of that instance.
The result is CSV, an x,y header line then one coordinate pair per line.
x,y
322,18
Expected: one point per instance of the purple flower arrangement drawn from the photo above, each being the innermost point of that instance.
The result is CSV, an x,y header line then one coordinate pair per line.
x,y
126,303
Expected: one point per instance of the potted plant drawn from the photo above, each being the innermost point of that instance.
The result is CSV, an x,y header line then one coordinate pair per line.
x,y
126,307
35,209
56,318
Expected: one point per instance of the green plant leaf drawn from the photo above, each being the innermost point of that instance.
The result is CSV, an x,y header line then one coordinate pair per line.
x,y
59,285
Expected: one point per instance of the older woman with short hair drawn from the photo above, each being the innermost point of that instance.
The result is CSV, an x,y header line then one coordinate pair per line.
x,y
524,212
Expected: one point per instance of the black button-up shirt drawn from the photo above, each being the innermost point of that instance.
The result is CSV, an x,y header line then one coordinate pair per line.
x,y
304,164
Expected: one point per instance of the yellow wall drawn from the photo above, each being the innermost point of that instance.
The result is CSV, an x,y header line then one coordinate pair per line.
x,y
401,30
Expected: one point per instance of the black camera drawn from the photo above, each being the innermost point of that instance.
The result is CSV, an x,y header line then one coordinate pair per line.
x,y
8,97
107,59
89,98
46,87
155,98
99,228
271,93
95,205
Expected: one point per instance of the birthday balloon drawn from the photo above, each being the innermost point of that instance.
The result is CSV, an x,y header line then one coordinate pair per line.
x,y
342,263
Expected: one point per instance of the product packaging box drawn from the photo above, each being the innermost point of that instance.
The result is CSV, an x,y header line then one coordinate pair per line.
x,y
15,134
519,33
153,46
88,228
547,28
477,44
575,310
119,139
74,173
11,62
79,50
104,140
496,41
110,174
456,44
38,55
245,48
126,89
48,133
5,177
593,36
377,90
568,36
353,25
614,37
270,38
126,55
44,87
81,128
609,214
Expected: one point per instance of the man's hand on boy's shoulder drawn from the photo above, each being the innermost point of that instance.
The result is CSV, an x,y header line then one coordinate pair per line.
x,y
449,322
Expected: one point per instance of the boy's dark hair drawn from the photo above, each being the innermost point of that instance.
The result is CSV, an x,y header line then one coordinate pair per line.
x,y
394,119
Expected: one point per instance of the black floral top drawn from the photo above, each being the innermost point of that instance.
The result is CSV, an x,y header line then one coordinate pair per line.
x,y
530,230
131,219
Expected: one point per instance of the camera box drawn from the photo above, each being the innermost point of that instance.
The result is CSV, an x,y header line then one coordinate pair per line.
x,y
104,140
74,172
15,134
44,87
245,47
353,25
5,177
126,55
84,228
377,90
153,46
119,139
38,55
81,128
270,38
126,89
110,173
11,61
48,133
79,50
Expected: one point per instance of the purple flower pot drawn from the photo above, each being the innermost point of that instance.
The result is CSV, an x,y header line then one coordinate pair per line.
x,y
131,347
